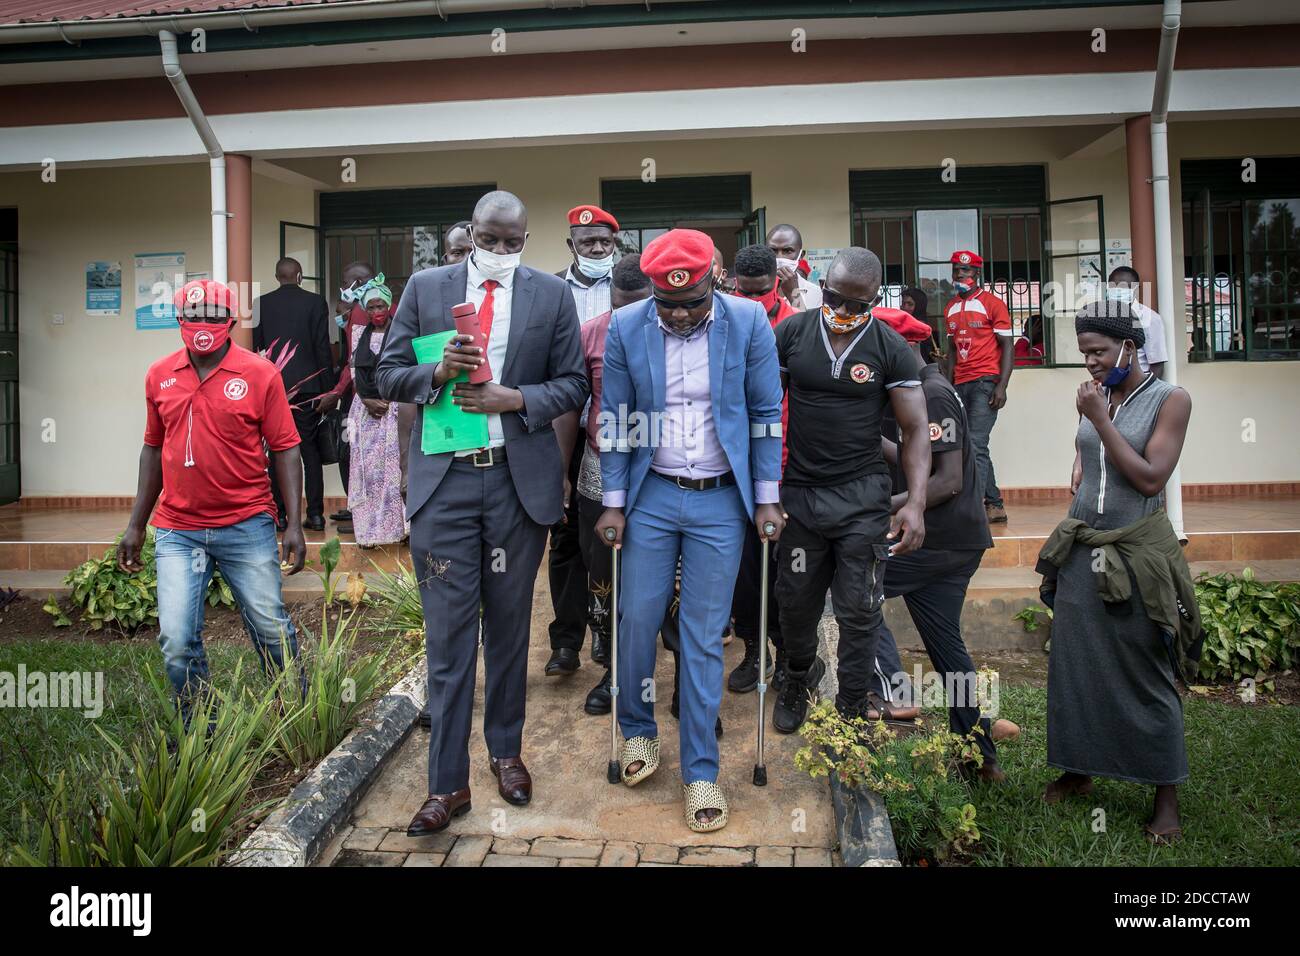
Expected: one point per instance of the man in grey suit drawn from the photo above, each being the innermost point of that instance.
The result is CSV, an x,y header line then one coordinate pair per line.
x,y
479,518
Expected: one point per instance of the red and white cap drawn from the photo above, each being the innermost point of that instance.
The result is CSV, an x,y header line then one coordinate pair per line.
x,y
205,292
964,257
905,324
591,216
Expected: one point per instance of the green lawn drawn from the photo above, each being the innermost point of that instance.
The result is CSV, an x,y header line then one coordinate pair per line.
x,y
1241,805
57,739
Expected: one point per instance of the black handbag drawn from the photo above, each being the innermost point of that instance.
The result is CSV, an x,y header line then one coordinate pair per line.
x,y
329,436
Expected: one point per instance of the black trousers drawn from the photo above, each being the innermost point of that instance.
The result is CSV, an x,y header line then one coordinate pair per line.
x,y
473,546
345,448
747,595
567,568
599,558
835,540
933,585
307,421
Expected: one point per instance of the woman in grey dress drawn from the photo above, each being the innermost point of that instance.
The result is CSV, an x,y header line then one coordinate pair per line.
x,y
1113,707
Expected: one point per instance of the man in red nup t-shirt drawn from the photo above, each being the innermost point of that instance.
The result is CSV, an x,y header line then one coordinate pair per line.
x,y
980,357
211,405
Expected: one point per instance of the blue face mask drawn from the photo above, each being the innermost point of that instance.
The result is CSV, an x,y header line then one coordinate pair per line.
x,y
1117,375
341,321
595,268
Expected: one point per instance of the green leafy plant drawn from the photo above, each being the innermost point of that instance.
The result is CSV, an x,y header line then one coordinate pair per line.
x,y
919,777
332,682
1030,617
394,599
109,597
174,797
1251,627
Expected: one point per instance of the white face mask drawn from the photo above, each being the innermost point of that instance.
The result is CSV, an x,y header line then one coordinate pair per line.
x,y
1119,294
494,265
788,263
595,268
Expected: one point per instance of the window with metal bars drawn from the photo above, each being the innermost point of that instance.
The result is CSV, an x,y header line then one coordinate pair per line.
x,y
915,248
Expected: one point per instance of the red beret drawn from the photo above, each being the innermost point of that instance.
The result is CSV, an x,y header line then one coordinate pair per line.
x,y
964,257
207,292
591,216
677,259
905,324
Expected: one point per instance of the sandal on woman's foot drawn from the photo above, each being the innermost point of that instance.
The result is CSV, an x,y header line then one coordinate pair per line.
x,y
1163,838
705,795
642,750
1056,791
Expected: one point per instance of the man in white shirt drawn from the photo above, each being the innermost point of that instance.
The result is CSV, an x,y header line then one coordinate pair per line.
x,y
1123,286
787,242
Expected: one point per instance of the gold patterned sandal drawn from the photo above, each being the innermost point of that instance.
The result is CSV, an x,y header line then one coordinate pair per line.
x,y
705,795
643,749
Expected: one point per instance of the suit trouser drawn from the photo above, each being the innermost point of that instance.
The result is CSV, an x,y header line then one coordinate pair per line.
x,y
747,595
567,568
835,540
472,543
704,529
933,585
307,421
599,558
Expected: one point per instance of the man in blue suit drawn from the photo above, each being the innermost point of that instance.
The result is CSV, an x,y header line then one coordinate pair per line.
x,y
690,434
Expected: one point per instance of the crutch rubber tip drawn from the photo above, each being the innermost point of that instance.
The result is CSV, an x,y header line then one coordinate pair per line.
x,y
613,773
760,776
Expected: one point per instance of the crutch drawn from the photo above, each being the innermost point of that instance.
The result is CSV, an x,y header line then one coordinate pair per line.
x,y
760,767
615,775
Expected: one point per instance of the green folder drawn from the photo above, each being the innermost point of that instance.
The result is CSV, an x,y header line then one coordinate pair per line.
x,y
446,427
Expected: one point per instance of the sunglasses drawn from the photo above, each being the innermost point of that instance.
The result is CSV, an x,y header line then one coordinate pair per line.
x,y
834,300
687,304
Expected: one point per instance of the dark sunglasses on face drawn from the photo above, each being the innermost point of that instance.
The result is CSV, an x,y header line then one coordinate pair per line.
x,y
834,300
687,304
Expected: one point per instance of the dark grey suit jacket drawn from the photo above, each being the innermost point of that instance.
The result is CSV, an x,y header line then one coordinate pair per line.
x,y
543,360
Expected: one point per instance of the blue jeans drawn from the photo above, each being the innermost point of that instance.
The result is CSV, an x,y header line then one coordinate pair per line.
x,y
249,558
707,529
980,418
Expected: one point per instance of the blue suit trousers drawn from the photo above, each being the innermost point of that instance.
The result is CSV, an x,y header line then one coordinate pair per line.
x,y
706,529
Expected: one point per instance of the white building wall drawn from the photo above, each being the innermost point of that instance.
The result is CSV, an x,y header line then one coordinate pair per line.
x,y
86,374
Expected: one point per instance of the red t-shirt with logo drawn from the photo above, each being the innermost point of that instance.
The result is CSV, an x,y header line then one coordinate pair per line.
x,y
216,425
974,324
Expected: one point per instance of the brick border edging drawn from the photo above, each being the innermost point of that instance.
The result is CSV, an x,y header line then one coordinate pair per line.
x,y
298,831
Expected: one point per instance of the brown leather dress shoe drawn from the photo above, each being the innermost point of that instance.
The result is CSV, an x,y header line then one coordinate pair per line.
x,y
438,811
513,780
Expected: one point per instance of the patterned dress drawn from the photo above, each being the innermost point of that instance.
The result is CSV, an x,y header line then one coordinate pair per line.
x,y
375,476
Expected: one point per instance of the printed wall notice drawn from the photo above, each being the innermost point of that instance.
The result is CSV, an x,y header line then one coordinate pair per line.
x,y
157,276
103,288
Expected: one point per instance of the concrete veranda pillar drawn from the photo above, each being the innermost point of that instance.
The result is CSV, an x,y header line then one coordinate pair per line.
x,y
239,240
1141,205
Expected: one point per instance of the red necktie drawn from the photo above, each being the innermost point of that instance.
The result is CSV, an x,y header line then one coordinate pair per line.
x,y
485,313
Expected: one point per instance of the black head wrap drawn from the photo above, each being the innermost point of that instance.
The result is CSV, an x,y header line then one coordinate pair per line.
x,y
1113,319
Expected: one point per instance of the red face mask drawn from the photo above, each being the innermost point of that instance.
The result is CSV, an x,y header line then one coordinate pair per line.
x,y
767,300
204,337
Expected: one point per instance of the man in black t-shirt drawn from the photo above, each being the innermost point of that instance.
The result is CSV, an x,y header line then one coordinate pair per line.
x,y
933,579
841,367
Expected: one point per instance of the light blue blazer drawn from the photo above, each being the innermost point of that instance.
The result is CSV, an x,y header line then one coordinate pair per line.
x,y
744,388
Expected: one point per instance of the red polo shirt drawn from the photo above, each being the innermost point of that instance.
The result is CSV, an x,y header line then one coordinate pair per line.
x,y
218,425
974,324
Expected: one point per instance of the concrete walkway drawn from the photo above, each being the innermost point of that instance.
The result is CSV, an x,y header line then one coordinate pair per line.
x,y
576,814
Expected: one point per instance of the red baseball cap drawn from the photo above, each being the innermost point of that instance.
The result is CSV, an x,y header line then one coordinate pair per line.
x,y
206,292
591,216
964,257
905,324
677,259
